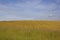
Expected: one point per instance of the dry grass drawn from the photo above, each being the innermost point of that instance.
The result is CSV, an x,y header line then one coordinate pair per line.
x,y
53,25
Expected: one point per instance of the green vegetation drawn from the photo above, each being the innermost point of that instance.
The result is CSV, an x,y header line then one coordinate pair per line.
x,y
13,33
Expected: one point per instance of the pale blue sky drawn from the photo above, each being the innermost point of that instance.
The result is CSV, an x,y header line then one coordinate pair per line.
x,y
29,9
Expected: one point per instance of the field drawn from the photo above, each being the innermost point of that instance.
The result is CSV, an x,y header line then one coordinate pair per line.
x,y
30,30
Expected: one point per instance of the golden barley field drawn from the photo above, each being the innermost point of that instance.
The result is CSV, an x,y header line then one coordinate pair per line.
x,y
29,30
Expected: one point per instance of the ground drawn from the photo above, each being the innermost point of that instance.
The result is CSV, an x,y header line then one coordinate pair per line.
x,y
30,30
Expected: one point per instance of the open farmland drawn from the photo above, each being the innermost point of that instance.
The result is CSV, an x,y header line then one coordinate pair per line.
x,y
30,30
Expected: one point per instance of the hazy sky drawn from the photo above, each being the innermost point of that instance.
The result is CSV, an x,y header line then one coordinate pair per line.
x,y
29,9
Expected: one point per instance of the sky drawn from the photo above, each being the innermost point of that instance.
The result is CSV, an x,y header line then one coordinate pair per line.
x,y
29,10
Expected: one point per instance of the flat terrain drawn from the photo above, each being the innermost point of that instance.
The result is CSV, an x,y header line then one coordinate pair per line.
x,y
30,30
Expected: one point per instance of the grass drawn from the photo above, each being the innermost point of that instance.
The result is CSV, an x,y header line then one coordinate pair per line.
x,y
30,30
